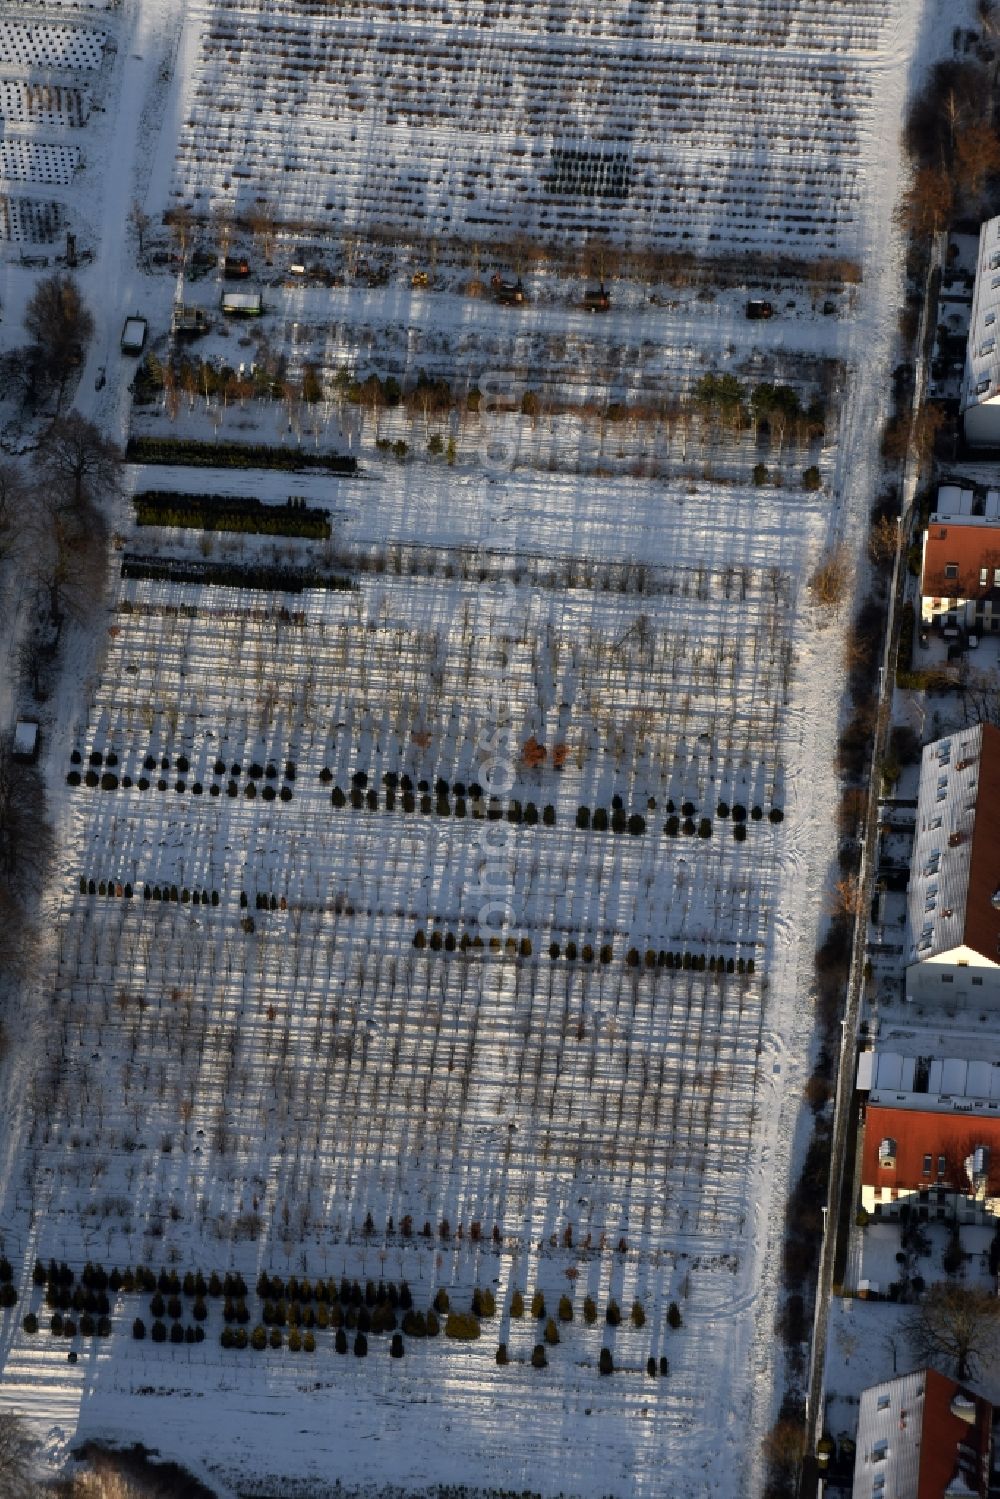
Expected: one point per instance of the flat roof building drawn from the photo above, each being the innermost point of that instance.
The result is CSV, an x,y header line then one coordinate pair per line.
x,y
242,303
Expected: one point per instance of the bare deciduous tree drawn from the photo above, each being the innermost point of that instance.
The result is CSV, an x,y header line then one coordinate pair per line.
x,y
263,226
78,462
140,222
977,156
182,227
955,1324
59,327
16,1450
930,202
828,583
12,506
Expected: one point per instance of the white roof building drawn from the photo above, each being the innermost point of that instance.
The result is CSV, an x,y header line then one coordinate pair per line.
x,y
247,303
953,897
968,506
981,385
947,1084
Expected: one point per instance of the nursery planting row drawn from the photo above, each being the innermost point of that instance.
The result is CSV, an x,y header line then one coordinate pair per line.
x,y
47,104
188,452
428,135
90,780
231,513
30,221
268,579
46,46
30,161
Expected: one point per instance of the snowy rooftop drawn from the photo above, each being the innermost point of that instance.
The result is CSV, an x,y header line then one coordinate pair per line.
x,y
943,845
982,360
930,1083
967,505
918,1434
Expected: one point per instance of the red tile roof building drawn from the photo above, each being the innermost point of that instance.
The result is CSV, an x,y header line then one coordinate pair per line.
x,y
939,1159
960,572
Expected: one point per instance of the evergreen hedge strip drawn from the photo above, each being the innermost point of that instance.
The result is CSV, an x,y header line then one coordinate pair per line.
x,y
207,512
233,455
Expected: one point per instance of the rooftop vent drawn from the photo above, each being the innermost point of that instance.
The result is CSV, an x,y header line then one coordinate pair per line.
x,y
887,1153
977,1166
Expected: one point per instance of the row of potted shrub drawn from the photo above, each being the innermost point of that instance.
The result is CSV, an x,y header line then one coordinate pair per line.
x,y
123,890
67,1327
598,820
291,1299
410,801
461,1327
586,952
257,772
110,782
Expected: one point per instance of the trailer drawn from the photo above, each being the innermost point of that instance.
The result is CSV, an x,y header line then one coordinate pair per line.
x,y
758,310
26,740
134,334
242,303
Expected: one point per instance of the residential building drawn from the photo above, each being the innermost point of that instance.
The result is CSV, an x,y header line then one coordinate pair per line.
x,y
960,565
923,1436
952,938
937,1156
981,383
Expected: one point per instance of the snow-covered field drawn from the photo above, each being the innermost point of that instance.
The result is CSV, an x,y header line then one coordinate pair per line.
x,y
605,1100
215,1096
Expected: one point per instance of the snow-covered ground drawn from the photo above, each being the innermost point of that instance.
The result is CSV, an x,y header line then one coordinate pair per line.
x,y
190,1090
556,120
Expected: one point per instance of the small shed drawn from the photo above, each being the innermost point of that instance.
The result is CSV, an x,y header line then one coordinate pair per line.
x,y
188,322
26,741
597,298
134,335
242,303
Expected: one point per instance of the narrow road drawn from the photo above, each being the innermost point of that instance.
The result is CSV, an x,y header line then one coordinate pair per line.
x,y
839,1183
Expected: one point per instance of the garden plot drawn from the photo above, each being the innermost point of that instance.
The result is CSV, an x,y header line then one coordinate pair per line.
x,y
553,120
70,4
280,1007
46,104
41,46
29,161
